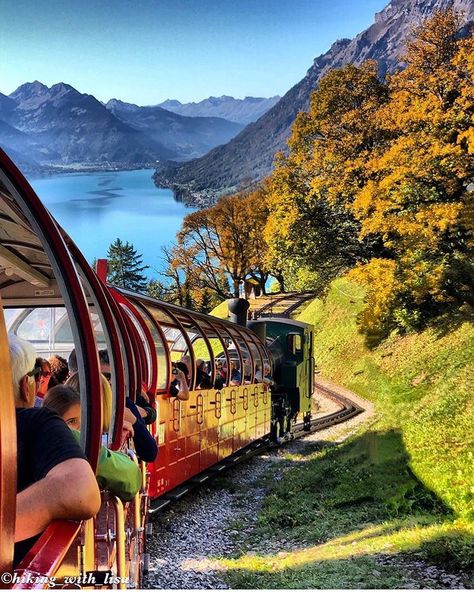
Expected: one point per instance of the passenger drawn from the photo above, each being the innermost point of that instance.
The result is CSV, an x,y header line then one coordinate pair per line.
x,y
186,360
42,379
223,371
203,380
59,370
179,386
106,397
49,461
107,372
116,472
267,377
218,380
247,371
145,444
142,401
235,376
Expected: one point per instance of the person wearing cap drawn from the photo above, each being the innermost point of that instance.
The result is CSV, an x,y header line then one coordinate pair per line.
x,y
48,460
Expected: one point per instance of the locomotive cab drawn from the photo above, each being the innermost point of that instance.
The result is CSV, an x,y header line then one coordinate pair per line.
x,y
291,345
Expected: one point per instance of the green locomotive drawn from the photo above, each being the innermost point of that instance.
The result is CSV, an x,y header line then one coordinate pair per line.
x,y
291,345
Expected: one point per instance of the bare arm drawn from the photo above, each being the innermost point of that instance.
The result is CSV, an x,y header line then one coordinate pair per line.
x,y
183,393
68,492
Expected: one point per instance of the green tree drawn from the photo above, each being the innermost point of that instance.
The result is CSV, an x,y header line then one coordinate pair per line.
x,y
125,267
157,289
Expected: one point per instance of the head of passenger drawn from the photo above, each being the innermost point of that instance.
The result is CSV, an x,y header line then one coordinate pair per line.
x,y
72,362
106,397
22,360
59,369
186,360
247,367
104,361
43,376
184,369
67,404
235,375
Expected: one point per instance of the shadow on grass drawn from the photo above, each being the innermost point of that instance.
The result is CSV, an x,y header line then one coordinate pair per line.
x,y
449,322
330,519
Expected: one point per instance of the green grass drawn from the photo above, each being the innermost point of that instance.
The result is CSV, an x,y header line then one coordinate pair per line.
x,y
421,384
339,509
402,486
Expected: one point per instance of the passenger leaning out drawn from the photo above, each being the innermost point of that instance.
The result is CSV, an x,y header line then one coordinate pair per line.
x,y
179,385
134,416
54,479
116,472
266,377
203,380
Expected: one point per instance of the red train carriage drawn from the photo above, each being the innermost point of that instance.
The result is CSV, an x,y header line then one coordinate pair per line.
x,y
51,297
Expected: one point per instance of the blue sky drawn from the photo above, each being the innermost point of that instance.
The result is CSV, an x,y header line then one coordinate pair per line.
x,y
145,51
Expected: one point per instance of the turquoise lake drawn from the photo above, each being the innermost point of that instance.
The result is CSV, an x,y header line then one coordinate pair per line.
x,y
97,208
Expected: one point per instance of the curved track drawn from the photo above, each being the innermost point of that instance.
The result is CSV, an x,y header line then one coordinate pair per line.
x,y
348,409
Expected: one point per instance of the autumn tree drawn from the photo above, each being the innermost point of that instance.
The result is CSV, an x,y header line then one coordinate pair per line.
x,y
418,196
182,284
224,239
313,186
379,175
125,266
255,216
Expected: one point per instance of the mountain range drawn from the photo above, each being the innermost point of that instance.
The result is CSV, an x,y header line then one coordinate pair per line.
x,y
187,136
243,111
58,126
249,156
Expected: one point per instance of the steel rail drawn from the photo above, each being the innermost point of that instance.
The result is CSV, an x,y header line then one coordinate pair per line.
x,y
300,299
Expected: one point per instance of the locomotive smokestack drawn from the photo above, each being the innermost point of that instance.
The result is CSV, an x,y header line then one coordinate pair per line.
x,y
238,308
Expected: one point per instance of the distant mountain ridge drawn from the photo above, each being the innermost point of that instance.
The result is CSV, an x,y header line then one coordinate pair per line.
x,y
68,127
59,126
188,137
243,111
249,156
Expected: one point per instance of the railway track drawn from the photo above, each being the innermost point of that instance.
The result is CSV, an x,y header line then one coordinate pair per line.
x,y
283,306
348,409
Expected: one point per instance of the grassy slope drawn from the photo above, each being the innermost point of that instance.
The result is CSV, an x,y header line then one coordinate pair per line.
x,y
404,484
423,385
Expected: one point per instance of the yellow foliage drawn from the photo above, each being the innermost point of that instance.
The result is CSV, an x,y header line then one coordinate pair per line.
x,y
379,278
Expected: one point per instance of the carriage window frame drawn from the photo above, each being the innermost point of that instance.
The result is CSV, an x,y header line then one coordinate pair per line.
x,y
156,329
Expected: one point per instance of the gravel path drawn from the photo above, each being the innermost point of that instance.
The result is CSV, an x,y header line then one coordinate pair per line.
x,y
204,525
214,522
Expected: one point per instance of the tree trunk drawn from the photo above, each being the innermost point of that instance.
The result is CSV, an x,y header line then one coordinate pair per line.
x,y
236,283
281,281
